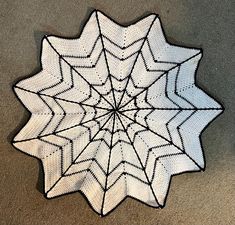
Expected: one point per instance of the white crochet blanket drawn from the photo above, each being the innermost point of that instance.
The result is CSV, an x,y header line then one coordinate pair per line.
x,y
115,113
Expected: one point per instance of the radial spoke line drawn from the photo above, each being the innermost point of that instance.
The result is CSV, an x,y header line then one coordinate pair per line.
x,y
123,162
62,175
54,133
144,89
109,160
143,168
61,99
90,85
152,108
105,56
169,141
173,109
129,76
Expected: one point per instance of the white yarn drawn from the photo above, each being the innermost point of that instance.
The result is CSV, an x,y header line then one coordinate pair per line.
x,y
115,113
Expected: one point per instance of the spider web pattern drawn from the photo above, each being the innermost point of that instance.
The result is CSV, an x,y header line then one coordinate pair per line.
x,y
115,113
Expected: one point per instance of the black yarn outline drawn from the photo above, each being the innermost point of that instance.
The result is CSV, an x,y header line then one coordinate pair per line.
x,y
222,110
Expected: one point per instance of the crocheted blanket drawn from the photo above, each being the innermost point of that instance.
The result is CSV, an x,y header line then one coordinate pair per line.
x,y
115,113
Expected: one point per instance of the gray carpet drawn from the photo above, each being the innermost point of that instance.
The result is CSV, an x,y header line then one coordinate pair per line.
x,y
205,198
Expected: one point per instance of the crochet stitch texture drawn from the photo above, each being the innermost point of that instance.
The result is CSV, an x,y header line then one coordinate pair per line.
x,y
115,113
